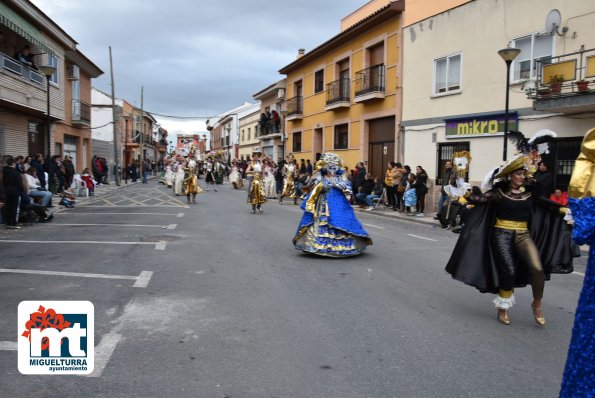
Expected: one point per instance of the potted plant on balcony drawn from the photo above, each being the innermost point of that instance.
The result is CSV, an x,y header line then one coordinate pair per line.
x,y
556,83
582,85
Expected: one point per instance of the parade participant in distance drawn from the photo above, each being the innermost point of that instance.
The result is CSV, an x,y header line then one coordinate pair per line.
x,y
290,174
235,177
191,186
256,195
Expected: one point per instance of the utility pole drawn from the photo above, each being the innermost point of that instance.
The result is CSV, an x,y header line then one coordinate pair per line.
x,y
117,167
142,137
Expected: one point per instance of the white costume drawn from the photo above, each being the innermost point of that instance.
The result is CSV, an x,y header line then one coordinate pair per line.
x,y
235,177
270,190
179,179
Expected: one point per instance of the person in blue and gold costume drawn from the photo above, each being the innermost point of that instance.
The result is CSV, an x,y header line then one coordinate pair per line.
x,y
513,237
329,226
579,375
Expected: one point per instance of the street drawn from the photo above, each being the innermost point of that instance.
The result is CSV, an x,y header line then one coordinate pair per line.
x,y
209,300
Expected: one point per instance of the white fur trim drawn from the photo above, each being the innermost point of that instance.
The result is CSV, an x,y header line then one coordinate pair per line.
x,y
504,303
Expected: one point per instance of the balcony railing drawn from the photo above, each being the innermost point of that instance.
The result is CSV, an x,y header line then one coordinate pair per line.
x,y
295,106
338,91
565,83
81,112
10,64
14,66
575,73
370,80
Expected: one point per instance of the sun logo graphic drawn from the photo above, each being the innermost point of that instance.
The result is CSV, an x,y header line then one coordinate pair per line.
x,y
56,337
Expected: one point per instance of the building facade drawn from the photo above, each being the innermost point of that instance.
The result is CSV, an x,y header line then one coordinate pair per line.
x,y
455,83
272,134
249,135
72,136
24,128
343,96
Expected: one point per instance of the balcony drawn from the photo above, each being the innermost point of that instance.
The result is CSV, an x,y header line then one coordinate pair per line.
x,y
295,108
81,113
565,83
337,94
21,85
370,84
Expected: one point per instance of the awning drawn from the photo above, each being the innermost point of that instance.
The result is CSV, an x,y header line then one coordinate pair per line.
x,y
22,27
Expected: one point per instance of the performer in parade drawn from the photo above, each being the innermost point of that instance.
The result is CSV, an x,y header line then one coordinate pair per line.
x,y
256,195
191,186
269,179
218,170
513,236
290,174
329,226
179,166
579,374
209,175
235,177
168,178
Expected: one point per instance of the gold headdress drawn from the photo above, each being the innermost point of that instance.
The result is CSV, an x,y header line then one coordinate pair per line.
x,y
517,163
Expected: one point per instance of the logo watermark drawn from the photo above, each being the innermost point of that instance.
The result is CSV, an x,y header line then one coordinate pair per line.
x,y
56,337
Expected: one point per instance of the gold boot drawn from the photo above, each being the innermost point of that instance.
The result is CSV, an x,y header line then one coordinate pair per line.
x,y
538,315
503,317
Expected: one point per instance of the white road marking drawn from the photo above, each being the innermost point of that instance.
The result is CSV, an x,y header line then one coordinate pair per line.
x,y
132,206
373,226
179,215
8,345
158,245
421,237
142,280
579,273
104,351
171,226
112,225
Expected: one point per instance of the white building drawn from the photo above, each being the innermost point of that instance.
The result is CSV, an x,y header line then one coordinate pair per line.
x,y
454,82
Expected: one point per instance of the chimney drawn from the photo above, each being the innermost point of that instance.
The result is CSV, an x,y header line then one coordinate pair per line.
x,y
301,53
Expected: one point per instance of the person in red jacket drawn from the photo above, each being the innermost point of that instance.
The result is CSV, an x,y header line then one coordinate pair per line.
x,y
560,197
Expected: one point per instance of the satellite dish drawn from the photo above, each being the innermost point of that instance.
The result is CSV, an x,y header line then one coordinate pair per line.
x,y
553,21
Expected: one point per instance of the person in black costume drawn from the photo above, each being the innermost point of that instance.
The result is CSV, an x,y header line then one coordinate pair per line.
x,y
512,237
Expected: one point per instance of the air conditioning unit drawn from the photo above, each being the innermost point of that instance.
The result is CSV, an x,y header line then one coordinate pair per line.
x,y
281,94
74,72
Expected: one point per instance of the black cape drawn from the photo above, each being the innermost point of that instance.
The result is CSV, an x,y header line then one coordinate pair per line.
x,y
473,263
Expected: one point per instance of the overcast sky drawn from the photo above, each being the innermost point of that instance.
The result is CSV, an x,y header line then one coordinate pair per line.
x,y
195,57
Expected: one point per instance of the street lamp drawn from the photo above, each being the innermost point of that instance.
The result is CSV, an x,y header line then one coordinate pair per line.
x,y
508,55
48,71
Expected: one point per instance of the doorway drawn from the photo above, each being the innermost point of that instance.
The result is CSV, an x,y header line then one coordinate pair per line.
x,y
36,138
381,145
317,146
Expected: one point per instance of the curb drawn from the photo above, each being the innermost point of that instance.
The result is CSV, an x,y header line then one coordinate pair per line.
x,y
397,216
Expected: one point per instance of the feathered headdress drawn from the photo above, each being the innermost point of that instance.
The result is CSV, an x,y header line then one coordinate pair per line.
x,y
539,142
528,155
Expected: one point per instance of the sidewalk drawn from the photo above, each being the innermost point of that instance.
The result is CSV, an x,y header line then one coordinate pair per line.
x,y
388,212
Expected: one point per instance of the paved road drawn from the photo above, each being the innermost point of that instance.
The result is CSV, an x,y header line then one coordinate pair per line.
x,y
232,310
